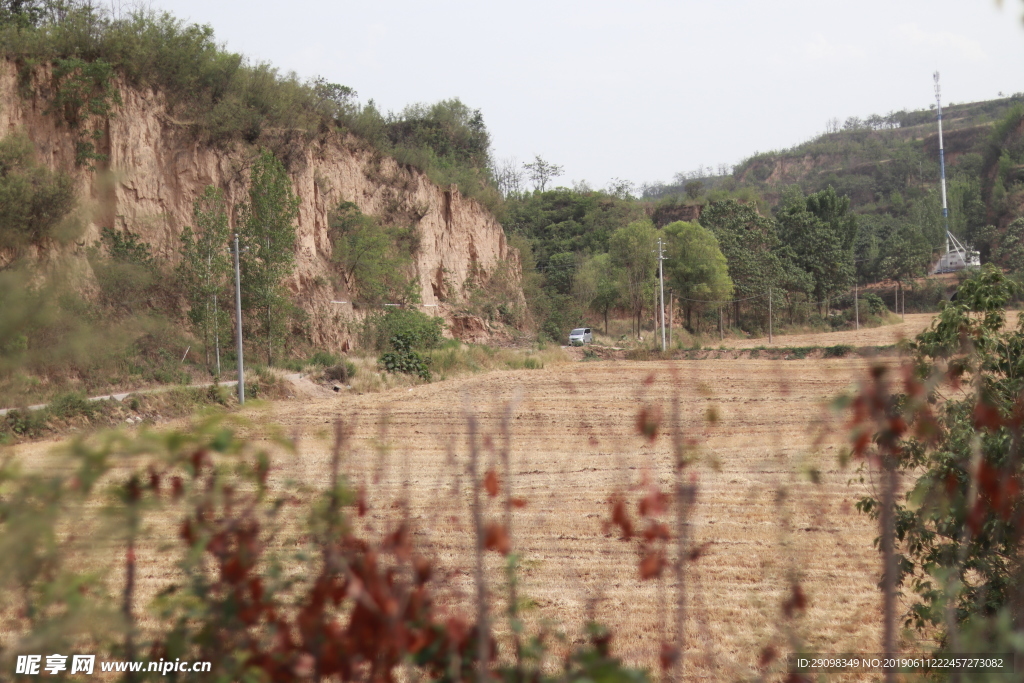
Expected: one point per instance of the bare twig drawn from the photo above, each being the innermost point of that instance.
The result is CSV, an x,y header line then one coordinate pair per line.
x,y
483,632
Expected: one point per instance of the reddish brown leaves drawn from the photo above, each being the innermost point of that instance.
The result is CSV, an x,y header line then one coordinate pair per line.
x,y
654,503
657,531
496,538
648,420
668,656
361,505
795,602
986,416
620,517
491,484
768,655
518,502
652,564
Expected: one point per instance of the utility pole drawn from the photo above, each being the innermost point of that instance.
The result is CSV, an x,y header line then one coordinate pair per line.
x,y
856,304
238,326
661,278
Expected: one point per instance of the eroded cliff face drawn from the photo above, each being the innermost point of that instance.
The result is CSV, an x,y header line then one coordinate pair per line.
x,y
155,170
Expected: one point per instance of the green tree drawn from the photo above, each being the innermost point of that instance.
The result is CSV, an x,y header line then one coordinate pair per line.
x,y
632,252
903,252
204,271
376,260
756,257
695,267
542,172
596,285
958,529
33,199
128,275
818,251
267,232
1010,252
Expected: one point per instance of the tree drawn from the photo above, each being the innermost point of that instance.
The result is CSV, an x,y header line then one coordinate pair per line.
x,y
205,268
959,529
818,251
596,285
267,231
756,257
376,260
1010,252
632,251
541,172
903,252
695,267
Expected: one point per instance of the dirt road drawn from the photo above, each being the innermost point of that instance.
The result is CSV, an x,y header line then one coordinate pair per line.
x,y
867,336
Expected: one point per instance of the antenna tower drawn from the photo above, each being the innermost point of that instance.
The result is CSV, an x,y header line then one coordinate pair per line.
x,y
942,156
957,256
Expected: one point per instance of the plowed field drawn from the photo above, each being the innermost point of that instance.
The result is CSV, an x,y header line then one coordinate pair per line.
x,y
574,444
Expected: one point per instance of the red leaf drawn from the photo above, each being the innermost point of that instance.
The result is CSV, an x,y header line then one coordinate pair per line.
x,y
647,422
796,602
669,656
620,517
423,569
496,538
518,502
657,530
177,487
986,416
491,483
767,656
361,506
654,503
651,565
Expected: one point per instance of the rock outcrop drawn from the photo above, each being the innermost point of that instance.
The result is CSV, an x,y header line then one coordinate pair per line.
x,y
155,169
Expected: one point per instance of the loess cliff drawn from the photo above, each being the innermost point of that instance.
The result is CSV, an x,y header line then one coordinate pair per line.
x,y
154,170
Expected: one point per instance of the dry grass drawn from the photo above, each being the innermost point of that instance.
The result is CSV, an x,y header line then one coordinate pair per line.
x,y
574,444
766,521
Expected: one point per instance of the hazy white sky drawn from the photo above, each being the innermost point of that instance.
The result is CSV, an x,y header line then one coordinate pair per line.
x,y
638,90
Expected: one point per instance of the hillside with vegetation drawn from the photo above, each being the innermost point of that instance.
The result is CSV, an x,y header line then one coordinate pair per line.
x,y
855,206
135,147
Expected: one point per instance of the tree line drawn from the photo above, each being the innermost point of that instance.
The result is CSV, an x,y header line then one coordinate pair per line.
x,y
596,253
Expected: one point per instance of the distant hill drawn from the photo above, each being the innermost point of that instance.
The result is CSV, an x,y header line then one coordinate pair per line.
x,y
890,165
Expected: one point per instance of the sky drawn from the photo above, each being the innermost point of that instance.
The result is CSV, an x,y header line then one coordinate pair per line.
x,y
637,90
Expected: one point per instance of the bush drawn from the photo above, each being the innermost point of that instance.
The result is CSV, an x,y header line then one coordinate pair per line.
x,y
404,359
874,303
837,351
341,372
71,404
421,330
33,199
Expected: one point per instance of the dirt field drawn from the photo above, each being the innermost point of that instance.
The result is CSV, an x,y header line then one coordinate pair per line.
x,y
574,444
868,336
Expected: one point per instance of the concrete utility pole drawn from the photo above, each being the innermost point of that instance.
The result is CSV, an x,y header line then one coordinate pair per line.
x,y
238,326
661,278
856,303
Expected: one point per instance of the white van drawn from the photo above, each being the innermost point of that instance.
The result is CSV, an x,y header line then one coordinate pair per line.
x,y
580,336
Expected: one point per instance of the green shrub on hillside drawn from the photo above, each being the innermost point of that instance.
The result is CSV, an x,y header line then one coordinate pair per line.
x,y
422,331
33,200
